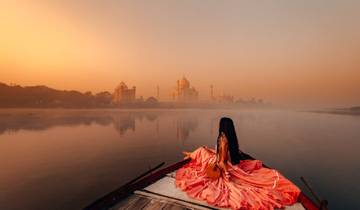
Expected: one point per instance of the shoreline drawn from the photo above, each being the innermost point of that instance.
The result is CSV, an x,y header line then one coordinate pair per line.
x,y
353,111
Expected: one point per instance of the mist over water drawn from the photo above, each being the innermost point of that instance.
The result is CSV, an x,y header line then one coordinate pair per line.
x,y
66,159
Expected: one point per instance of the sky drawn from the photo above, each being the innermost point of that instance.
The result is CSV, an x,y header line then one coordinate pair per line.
x,y
297,52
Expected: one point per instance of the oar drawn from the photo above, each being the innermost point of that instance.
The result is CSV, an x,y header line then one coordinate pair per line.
x,y
323,203
122,191
145,173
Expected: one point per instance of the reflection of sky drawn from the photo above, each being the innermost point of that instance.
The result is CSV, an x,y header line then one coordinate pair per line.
x,y
121,121
79,155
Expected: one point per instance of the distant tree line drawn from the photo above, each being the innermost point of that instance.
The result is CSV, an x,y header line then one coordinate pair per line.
x,y
40,96
45,97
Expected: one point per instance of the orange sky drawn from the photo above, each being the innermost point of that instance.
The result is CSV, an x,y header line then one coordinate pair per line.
x,y
287,52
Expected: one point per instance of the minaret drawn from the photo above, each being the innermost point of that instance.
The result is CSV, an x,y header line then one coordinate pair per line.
x,y
211,92
157,92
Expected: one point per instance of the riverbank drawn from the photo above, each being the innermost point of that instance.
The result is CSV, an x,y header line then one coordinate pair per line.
x,y
345,111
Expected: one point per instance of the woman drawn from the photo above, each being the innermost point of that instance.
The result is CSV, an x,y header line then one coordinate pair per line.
x,y
227,178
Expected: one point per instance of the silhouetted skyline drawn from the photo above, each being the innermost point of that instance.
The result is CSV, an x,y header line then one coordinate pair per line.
x,y
287,52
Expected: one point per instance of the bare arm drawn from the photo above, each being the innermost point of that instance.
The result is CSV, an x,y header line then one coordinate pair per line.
x,y
223,153
186,154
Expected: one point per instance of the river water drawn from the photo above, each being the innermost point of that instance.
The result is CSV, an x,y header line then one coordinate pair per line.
x,y
65,159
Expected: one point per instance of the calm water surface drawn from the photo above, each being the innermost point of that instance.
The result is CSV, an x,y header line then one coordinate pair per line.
x,y
65,159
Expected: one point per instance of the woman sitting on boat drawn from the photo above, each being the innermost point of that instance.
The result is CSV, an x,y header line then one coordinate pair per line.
x,y
228,178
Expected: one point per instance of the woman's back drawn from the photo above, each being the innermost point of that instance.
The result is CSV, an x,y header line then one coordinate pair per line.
x,y
226,177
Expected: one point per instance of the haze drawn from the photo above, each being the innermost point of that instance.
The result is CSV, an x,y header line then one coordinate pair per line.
x,y
303,53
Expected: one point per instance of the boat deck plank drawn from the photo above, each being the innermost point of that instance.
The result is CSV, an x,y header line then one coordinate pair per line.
x,y
140,203
143,202
174,207
154,205
132,202
166,189
125,203
163,194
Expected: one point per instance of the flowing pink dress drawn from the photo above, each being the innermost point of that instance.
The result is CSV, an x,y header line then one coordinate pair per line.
x,y
250,186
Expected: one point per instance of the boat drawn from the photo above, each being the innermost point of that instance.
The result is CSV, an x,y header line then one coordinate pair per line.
x,y
155,189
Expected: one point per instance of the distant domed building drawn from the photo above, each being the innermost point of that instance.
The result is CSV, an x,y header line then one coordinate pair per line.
x,y
185,93
151,102
123,94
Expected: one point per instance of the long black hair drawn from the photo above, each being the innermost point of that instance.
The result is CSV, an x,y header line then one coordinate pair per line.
x,y
227,127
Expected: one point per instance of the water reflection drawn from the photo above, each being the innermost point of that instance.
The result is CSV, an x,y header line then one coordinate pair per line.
x,y
122,123
185,126
37,120
94,151
12,121
16,120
